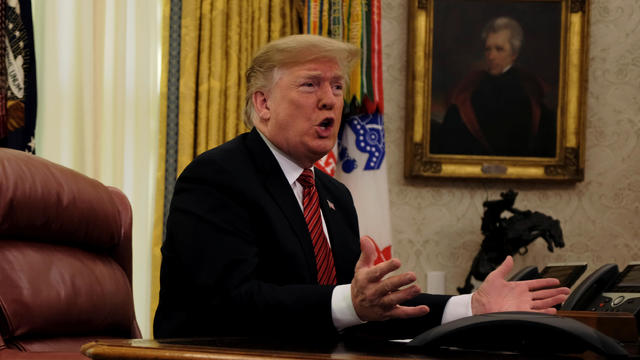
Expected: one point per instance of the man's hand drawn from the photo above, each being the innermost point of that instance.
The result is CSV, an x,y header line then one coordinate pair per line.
x,y
496,294
376,297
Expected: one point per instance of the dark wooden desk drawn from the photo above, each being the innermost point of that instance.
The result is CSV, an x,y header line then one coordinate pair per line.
x,y
237,348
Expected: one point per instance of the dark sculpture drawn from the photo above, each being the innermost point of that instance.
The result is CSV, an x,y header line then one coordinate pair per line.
x,y
508,236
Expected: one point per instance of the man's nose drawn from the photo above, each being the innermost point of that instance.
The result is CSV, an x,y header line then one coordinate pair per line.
x,y
326,97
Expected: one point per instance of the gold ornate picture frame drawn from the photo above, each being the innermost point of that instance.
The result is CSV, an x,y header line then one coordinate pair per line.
x,y
449,50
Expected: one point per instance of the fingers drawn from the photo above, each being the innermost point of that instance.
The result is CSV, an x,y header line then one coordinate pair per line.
x,y
405,312
505,268
547,293
403,295
547,298
548,302
378,272
541,283
387,307
397,297
394,283
376,296
367,253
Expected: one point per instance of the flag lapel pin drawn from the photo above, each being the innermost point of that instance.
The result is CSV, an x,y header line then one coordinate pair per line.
x,y
333,207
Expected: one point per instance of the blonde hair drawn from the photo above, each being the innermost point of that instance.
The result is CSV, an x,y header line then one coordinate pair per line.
x,y
290,51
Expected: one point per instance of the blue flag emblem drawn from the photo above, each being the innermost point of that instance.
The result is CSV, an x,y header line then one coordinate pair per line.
x,y
368,130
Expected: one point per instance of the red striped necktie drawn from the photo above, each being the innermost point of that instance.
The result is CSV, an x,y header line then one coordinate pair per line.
x,y
311,205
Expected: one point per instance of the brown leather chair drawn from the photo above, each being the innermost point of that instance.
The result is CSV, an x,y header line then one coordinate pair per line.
x,y
65,260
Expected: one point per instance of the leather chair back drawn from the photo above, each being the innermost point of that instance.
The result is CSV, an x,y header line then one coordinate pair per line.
x,y
65,258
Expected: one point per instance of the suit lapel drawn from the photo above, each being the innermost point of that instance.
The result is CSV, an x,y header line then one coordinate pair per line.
x,y
280,191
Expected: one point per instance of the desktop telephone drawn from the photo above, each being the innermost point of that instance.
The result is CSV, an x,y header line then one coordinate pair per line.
x,y
604,290
608,290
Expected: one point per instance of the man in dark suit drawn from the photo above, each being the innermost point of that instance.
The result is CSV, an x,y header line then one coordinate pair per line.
x,y
244,253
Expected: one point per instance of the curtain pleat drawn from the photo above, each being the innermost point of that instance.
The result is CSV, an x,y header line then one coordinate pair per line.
x,y
158,214
189,68
217,40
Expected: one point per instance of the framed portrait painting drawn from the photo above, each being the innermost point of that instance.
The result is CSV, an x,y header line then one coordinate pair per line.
x,y
496,89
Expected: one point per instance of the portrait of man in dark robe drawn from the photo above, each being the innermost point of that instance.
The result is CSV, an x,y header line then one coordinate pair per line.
x,y
500,107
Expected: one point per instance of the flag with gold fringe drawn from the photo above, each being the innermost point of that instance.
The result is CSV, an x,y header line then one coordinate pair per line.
x,y
17,76
358,160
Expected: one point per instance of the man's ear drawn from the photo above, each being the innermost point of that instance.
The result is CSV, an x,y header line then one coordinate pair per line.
x,y
261,105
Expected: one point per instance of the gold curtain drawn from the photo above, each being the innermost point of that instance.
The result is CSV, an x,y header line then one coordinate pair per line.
x,y
219,38
217,41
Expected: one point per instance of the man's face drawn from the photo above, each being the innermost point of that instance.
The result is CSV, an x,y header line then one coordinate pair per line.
x,y
498,52
301,112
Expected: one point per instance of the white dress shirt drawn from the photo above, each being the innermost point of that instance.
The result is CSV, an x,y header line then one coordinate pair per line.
x,y
342,311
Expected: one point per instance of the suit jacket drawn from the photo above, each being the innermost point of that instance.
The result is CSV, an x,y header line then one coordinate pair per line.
x,y
238,258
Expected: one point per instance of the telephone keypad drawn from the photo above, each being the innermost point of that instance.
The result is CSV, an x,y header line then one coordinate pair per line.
x,y
616,302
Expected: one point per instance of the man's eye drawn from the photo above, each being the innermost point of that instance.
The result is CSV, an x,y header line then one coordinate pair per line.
x,y
308,84
338,86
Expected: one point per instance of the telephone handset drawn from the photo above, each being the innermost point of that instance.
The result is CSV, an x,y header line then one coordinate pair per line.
x,y
608,290
568,274
591,287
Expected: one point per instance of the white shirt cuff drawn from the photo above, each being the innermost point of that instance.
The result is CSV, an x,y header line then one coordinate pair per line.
x,y
344,314
457,307
342,310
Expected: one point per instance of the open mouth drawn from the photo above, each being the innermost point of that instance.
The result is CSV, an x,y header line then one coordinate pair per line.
x,y
326,123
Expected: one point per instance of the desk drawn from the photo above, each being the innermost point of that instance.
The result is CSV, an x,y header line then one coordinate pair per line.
x,y
240,348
